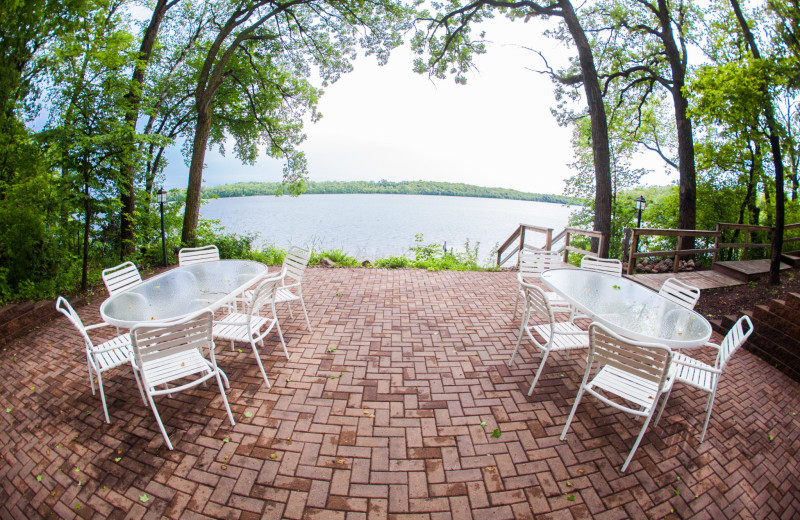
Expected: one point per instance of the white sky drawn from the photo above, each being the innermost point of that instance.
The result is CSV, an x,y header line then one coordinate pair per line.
x,y
390,123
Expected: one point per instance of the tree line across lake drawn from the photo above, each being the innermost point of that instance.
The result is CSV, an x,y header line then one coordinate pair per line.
x,y
247,189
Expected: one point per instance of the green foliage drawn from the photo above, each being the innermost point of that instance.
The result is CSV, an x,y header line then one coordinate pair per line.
x,y
337,256
245,189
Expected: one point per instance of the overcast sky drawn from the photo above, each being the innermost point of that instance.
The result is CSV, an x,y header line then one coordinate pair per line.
x,y
390,123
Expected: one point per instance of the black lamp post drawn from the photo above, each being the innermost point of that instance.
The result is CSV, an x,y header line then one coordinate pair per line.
x,y
162,197
640,204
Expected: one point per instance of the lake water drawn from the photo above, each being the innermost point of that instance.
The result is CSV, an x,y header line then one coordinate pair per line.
x,y
370,226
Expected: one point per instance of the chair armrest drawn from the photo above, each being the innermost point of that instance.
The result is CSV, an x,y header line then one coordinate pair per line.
x,y
699,365
125,345
96,326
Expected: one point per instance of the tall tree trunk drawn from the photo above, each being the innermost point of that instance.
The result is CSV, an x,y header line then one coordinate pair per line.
x,y
599,124
192,210
87,205
777,157
134,101
687,190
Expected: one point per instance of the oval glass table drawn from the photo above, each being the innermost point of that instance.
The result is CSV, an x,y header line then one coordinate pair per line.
x,y
181,291
628,308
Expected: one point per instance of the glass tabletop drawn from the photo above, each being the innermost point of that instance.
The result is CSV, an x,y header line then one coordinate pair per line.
x,y
181,291
628,308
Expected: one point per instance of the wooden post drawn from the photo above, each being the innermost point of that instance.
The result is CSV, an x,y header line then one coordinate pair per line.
x,y
745,255
626,239
548,240
677,262
716,246
602,243
521,241
634,248
566,248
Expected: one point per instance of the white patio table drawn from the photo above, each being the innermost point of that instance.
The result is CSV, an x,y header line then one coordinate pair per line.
x,y
181,291
628,308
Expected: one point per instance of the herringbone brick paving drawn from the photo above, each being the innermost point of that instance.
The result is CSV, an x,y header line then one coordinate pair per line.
x,y
378,414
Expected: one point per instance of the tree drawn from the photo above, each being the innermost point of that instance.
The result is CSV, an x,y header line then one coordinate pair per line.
x,y
133,101
450,47
645,46
251,83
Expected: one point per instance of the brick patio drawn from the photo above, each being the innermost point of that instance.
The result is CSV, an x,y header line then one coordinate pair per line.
x,y
378,415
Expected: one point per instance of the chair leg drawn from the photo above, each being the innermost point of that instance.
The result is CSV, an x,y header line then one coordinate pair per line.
x,y
224,397
258,360
638,440
539,372
572,412
303,303
280,335
103,395
708,415
139,385
664,404
91,375
519,339
158,420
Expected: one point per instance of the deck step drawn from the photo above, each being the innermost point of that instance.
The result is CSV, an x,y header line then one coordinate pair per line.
x,y
746,270
792,258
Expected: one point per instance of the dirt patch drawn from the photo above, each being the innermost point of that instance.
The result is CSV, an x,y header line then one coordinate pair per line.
x,y
722,301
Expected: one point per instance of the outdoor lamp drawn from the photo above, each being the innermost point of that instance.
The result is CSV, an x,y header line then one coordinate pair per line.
x,y
640,204
162,197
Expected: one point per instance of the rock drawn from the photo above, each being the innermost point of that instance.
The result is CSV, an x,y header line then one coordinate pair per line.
x,y
690,264
327,262
366,263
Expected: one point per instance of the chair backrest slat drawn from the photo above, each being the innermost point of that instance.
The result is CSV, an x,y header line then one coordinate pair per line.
x,y
532,262
264,293
121,277
198,255
63,306
538,303
154,341
296,262
680,293
647,361
735,338
603,265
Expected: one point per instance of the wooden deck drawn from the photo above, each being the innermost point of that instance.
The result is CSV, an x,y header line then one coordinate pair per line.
x,y
700,279
747,270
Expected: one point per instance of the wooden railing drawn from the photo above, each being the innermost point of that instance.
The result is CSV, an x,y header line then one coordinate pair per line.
x,y
744,246
567,248
517,239
790,227
677,253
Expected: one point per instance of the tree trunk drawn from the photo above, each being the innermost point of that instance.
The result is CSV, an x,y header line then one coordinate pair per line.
x,y
597,114
191,214
87,204
134,100
777,157
687,191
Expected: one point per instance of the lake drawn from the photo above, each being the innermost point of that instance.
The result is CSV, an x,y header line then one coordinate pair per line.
x,y
370,226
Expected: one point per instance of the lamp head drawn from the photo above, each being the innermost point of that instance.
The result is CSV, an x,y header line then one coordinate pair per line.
x,y
162,195
640,203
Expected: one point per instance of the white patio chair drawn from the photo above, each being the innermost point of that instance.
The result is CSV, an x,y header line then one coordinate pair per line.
x,y
680,293
198,255
99,358
163,354
705,377
532,262
122,277
557,336
611,266
636,372
251,326
293,269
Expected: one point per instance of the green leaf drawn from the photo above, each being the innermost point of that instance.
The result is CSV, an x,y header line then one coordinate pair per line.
x,y
226,439
483,424
248,414
144,498
38,478
117,459
496,433
8,410
571,498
